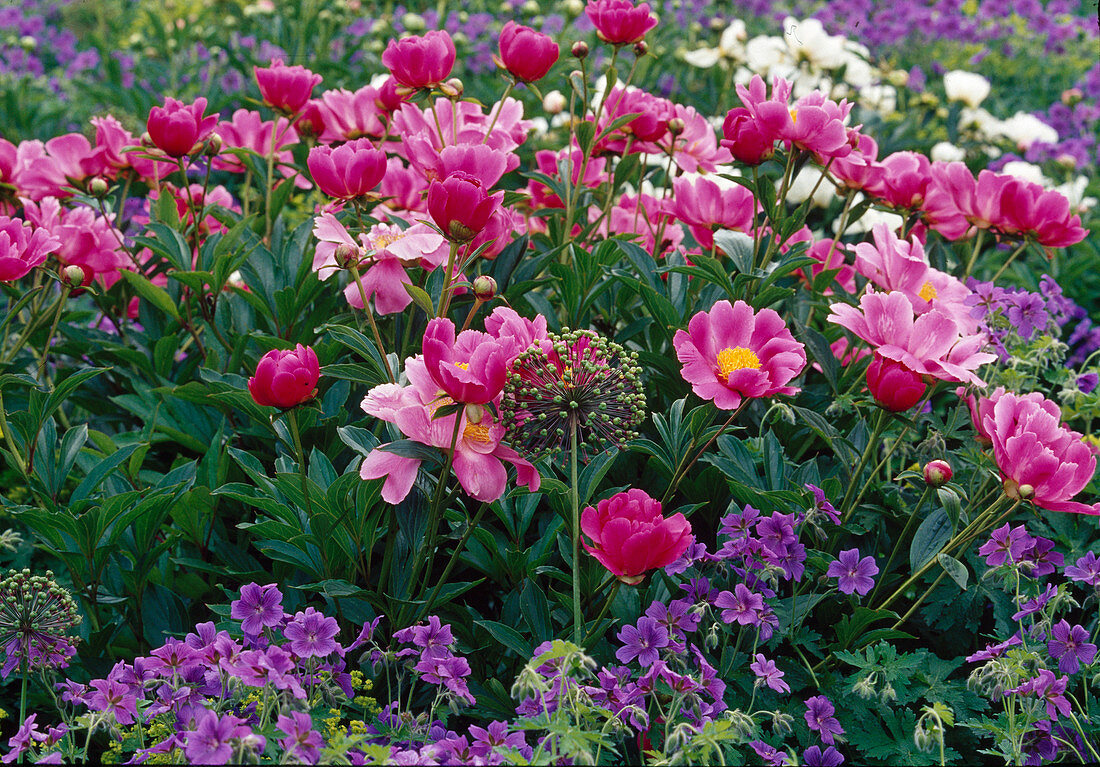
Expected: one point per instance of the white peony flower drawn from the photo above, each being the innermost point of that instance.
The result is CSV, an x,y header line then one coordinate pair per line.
x,y
868,220
808,41
731,46
764,53
805,182
1025,129
945,151
967,87
1026,171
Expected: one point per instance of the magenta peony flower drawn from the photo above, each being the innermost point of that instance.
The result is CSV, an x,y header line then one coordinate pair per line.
x,y
420,62
649,127
1029,210
618,21
470,369
248,130
284,379
526,54
706,207
630,537
23,248
286,88
731,352
930,344
746,140
351,170
1040,460
176,127
893,385
903,181
343,115
460,206
859,170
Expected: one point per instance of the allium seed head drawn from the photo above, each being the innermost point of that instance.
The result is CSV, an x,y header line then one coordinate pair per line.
x,y
35,613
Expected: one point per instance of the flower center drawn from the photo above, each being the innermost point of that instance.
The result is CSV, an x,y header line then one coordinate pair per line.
x,y
477,432
794,115
463,365
739,358
383,241
927,292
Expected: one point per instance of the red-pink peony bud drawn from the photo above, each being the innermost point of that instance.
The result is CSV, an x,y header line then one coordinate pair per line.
x,y
285,378
618,22
350,170
894,386
630,536
460,206
286,88
176,128
484,288
528,55
745,139
937,473
420,62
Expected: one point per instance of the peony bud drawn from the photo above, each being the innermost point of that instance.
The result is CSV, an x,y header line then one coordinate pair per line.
x,y
641,48
420,62
213,146
579,49
76,276
676,126
98,187
346,255
452,89
285,379
527,54
485,288
554,102
176,128
937,473
894,386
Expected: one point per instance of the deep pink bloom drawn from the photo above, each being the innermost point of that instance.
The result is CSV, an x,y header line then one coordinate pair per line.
x,y
471,368
859,169
478,161
830,256
479,451
696,148
1029,210
176,127
466,122
893,385
930,344
23,248
630,536
619,21
286,88
460,206
903,181
88,240
957,204
706,207
1039,459
526,54
420,62
248,130
345,115
112,140
646,130
284,379
732,352
549,163
351,170
747,141
64,161
816,124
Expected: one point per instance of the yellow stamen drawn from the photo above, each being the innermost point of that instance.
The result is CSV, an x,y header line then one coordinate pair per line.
x,y
477,432
927,292
794,115
739,358
383,241
463,365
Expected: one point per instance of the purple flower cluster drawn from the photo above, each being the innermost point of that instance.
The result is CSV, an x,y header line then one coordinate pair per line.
x,y
436,663
1034,555
1009,316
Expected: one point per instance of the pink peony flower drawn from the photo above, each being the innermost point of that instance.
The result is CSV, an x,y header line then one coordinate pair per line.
x,y
830,255
344,115
731,352
176,127
482,162
649,127
1039,459
930,344
747,141
641,217
706,207
23,248
859,170
471,368
903,181
526,54
460,206
618,21
549,163
284,379
1042,214
463,123
285,88
248,130
88,240
420,62
893,385
351,170
817,125
957,204
696,148
630,537
66,161
112,140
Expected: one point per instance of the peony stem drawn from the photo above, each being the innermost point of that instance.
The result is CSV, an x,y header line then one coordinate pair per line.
x,y
459,547
872,441
370,318
680,474
897,545
603,611
65,290
1009,260
974,253
448,279
499,109
292,423
578,619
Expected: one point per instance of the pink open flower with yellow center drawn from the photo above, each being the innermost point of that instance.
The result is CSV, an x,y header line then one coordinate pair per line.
x,y
471,368
732,352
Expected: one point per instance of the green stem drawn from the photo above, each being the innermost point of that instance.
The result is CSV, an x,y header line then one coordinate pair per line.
x,y
897,546
499,109
65,290
24,670
1009,260
292,422
448,278
574,496
680,474
268,188
974,253
15,454
425,609
872,443
603,612
370,319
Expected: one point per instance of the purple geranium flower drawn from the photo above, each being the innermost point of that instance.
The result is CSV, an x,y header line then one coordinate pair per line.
x,y
1027,313
209,742
1005,544
1069,646
115,697
496,735
815,757
742,606
312,634
1041,559
1087,382
643,642
768,673
770,755
852,573
301,741
1035,605
1049,688
1085,570
822,504
820,719
994,651
258,607
677,617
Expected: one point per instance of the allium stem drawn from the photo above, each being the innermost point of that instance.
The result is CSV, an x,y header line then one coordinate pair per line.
x,y
578,619
292,423
24,672
268,186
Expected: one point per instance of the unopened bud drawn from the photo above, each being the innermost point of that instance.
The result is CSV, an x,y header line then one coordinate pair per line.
x,y
74,276
98,187
641,48
579,49
346,255
937,473
1071,96
453,88
1027,492
213,145
485,288
474,413
676,126
147,140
